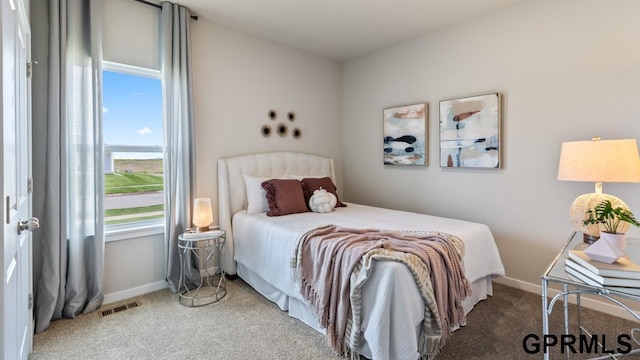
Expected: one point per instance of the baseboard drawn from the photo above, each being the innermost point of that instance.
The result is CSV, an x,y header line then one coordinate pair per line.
x,y
131,293
145,289
586,301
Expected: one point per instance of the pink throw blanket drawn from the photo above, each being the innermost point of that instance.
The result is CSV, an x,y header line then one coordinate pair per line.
x,y
326,258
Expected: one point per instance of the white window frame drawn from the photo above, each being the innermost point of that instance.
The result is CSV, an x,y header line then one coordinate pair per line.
x,y
143,228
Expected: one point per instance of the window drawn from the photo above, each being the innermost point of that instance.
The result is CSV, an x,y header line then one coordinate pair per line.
x,y
133,147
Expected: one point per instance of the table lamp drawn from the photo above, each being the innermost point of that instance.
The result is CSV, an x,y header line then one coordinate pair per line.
x,y
202,215
598,161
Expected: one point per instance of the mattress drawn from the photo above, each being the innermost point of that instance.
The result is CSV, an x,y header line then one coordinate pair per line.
x,y
265,245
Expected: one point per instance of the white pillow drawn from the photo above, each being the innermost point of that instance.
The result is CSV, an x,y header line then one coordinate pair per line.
x,y
256,195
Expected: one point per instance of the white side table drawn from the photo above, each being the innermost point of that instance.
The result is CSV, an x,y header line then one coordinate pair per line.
x,y
206,249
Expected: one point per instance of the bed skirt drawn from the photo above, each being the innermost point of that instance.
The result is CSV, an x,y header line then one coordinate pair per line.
x,y
481,289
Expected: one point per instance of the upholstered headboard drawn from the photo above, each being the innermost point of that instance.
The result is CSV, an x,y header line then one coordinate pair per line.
x,y
232,194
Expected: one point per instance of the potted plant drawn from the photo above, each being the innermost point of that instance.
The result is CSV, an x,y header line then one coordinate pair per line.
x,y
610,217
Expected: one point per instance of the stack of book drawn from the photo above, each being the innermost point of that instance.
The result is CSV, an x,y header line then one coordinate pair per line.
x,y
622,275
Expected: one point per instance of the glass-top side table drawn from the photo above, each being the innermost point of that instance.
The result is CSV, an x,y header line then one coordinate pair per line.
x,y
572,286
206,249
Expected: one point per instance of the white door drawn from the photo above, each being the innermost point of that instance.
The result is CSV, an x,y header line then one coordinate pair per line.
x,y
16,289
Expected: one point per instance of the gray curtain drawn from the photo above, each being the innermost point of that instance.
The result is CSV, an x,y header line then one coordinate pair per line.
x,y
178,123
69,247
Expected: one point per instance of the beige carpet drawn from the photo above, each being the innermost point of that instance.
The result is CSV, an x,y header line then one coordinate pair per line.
x,y
244,325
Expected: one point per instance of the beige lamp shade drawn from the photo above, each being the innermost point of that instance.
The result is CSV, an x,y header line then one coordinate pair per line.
x,y
598,161
202,214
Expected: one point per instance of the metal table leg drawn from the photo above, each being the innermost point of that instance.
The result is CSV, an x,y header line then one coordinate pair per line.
x,y
565,299
545,314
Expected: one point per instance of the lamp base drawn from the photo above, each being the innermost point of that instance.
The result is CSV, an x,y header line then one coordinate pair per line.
x,y
202,228
583,203
589,239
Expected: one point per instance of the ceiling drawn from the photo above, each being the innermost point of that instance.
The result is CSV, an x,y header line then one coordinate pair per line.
x,y
342,29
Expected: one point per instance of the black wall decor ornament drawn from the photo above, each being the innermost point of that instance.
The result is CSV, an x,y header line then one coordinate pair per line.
x,y
266,130
281,129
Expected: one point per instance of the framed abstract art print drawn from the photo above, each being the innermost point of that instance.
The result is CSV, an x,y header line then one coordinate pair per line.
x,y
404,133
470,132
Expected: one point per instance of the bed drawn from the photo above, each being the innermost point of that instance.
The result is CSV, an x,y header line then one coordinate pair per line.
x,y
259,249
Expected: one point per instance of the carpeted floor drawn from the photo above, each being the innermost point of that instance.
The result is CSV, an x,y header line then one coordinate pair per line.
x,y
244,325
497,327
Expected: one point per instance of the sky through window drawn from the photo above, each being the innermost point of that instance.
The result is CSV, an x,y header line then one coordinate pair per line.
x,y
132,112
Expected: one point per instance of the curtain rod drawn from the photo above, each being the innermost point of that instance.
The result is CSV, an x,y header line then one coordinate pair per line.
x,y
194,17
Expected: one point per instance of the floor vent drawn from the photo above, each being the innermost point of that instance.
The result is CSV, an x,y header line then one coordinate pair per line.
x,y
119,308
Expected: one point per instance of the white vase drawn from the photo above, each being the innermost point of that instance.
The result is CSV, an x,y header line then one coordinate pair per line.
x,y
619,240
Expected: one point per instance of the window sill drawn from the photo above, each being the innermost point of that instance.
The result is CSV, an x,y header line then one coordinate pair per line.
x,y
132,231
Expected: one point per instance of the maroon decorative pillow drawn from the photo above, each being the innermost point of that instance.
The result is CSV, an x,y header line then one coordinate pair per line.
x,y
309,185
284,196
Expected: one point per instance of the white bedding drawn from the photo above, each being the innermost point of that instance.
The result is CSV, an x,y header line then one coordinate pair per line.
x,y
259,238
392,306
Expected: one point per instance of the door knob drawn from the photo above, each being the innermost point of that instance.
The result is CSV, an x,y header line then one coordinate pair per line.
x,y
31,224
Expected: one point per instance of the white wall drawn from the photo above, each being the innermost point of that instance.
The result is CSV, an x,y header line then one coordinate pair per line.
x,y
133,267
237,78
130,34
567,70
